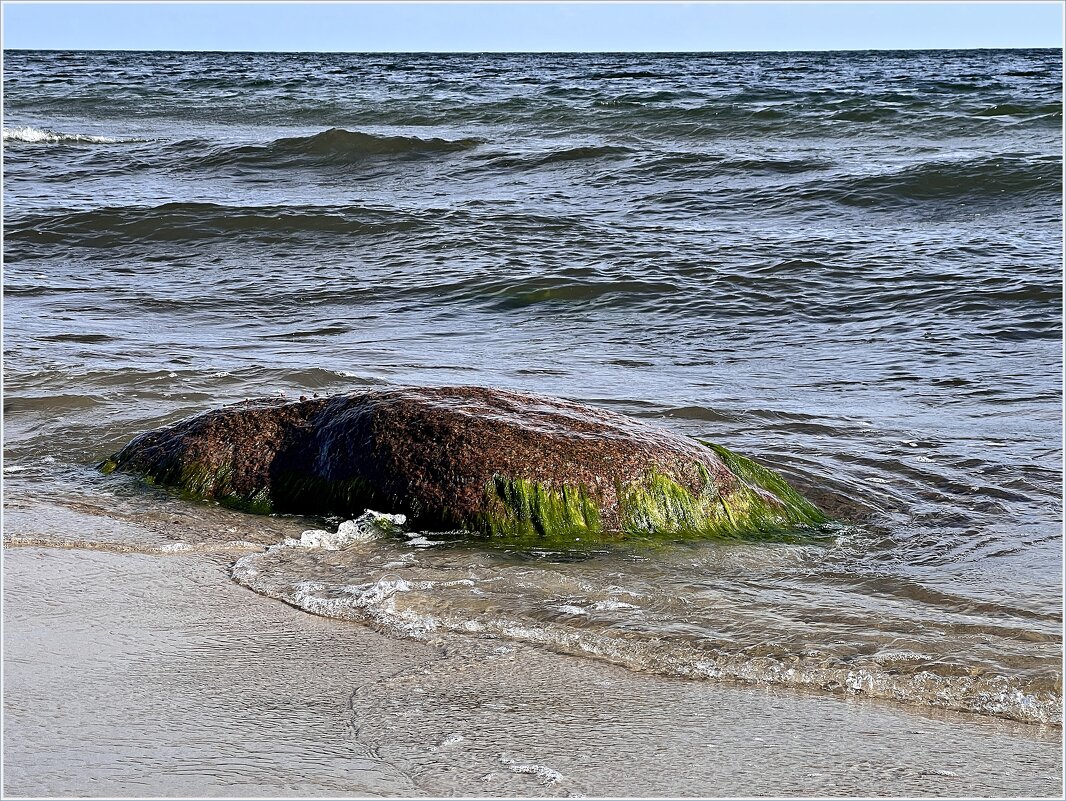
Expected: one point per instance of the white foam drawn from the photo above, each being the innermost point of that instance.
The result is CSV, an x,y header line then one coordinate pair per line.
x,y
244,569
422,542
570,609
367,527
418,540
39,136
614,589
547,775
612,605
374,602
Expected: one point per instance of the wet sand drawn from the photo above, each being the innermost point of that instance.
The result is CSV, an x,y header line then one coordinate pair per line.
x,y
154,675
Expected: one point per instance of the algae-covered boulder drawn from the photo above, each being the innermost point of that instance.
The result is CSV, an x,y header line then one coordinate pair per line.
x,y
502,464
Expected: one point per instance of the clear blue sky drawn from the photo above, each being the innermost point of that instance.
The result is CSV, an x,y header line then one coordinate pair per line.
x,y
491,26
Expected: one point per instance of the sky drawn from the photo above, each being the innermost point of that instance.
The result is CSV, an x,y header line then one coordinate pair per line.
x,y
517,27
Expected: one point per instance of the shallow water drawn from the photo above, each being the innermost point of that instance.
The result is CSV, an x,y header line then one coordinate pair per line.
x,y
154,676
844,265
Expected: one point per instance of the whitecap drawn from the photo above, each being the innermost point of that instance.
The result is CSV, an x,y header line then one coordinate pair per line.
x,y
41,136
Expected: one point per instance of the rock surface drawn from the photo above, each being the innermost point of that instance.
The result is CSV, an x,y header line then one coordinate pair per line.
x,y
494,463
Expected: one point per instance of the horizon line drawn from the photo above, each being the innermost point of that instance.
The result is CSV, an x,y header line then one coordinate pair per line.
x,y
525,52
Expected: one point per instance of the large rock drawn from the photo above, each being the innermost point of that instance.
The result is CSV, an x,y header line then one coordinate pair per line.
x,y
495,463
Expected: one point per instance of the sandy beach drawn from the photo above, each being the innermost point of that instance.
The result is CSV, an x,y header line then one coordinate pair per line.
x,y
153,674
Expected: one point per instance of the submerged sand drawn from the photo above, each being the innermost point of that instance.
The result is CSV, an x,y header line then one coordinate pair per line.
x,y
133,674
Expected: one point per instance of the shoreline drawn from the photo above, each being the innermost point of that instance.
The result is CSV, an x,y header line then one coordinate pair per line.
x,y
131,674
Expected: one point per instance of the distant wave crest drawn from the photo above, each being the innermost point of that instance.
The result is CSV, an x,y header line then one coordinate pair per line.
x,y
43,136
335,146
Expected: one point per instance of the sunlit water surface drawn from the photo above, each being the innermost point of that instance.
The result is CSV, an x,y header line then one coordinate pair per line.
x,y
844,265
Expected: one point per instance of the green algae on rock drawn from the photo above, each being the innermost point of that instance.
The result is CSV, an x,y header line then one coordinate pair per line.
x,y
521,467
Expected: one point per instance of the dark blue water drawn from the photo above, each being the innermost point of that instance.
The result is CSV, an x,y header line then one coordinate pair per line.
x,y
847,265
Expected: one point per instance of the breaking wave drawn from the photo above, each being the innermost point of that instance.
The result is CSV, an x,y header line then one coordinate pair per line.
x,y
43,136
428,589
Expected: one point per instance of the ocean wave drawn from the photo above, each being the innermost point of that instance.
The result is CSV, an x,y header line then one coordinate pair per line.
x,y
519,294
430,604
982,177
623,74
1017,110
580,153
869,114
643,98
688,165
334,147
42,136
584,153
177,222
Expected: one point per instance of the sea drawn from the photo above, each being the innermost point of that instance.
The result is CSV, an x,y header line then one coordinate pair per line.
x,y
845,265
